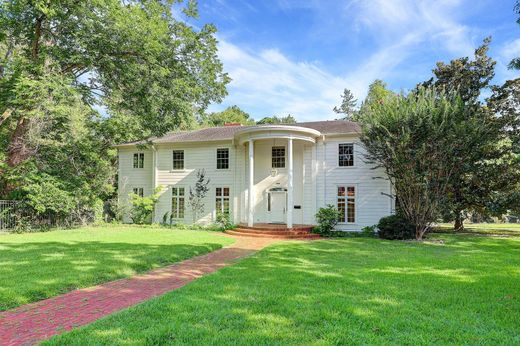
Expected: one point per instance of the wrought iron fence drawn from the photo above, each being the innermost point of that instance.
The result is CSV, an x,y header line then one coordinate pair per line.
x,y
9,213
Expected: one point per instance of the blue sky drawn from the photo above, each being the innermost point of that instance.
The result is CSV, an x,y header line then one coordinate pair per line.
x,y
297,56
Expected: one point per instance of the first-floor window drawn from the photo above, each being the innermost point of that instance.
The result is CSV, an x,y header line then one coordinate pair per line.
x,y
139,191
222,200
177,202
346,203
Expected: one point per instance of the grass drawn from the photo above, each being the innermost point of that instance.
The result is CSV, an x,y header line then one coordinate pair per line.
x,y
357,291
34,266
484,228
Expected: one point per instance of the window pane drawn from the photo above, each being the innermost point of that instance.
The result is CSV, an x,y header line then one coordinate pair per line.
x,y
218,205
346,155
174,191
341,190
351,191
175,207
181,191
226,206
226,191
181,207
219,191
351,210
223,158
178,159
278,157
136,160
341,210
141,160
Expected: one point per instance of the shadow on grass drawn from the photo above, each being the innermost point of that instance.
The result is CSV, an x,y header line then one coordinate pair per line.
x,y
35,271
349,291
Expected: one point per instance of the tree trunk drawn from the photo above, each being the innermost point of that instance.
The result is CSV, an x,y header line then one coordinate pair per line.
x,y
459,222
18,150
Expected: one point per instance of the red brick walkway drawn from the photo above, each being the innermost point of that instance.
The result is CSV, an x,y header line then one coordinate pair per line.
x,y
38,321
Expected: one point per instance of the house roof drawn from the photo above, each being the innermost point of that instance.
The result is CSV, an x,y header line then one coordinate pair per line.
x,y
228,132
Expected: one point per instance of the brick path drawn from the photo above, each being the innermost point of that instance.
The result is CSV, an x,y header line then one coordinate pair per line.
x,y
31,323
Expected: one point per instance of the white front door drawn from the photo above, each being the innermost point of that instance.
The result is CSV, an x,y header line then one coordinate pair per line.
x,y
278,207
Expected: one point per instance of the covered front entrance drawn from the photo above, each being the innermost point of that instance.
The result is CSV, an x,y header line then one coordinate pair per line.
x,y
277,205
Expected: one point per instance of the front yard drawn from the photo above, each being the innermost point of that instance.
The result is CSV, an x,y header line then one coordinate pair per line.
x,y
337,292
34,266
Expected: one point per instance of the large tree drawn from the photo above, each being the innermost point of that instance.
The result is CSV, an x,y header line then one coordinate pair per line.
x,y
515,63
419,139
274,120
478,178
63,60
232,114
347,108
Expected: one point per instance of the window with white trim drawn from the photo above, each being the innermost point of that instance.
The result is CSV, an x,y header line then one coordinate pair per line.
x,y
222,200
138,160
178,203
278,157
223,158
139,191
346,155
346,204
178,159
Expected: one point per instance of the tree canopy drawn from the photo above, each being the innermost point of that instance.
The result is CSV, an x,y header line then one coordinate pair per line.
x,y
62,61
347,108
232,114
288,119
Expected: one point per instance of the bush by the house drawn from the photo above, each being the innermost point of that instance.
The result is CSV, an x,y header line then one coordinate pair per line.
x,y
395,227
223,220
142,207
327,219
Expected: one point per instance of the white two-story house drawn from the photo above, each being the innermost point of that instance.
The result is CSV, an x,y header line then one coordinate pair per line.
x,y
279,174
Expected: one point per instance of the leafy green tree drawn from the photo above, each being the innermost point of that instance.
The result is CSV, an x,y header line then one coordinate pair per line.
x,y
377,93
477,179
348,105
231,114
274,120
143,207
515,63
61,61
198,193
418,140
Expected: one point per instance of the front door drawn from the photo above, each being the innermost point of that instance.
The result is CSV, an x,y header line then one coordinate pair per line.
x,y
278,207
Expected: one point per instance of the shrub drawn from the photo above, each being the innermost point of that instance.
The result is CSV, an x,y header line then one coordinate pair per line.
x,y
142,207
369,231
327,219
223,220
395,227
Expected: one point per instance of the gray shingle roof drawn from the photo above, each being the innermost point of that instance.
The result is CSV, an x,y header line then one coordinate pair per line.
x,y
228,132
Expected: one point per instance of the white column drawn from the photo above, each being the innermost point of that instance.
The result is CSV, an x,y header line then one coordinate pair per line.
x,y
251,214
290,199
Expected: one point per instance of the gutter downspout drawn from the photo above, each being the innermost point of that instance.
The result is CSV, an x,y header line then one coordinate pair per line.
x,y
154,175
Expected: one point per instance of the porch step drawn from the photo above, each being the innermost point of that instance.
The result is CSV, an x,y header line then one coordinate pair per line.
x,y
272,231
277,236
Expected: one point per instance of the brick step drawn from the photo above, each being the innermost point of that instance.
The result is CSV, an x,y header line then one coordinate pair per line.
x,y
272,231
276,227
277,236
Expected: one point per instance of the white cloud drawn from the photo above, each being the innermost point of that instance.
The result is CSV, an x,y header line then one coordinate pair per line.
x,y
267,82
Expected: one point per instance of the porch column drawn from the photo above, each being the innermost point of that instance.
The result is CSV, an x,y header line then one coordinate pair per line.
x,y
290,200
250,218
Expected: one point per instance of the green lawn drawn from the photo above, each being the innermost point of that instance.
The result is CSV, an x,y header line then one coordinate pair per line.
x,y
350,291
485,228
34,266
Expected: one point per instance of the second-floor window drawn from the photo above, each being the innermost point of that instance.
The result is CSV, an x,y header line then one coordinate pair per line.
x,y
346,155
178,159
139,160
278,157
223,158
222,200
139,191
177,203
